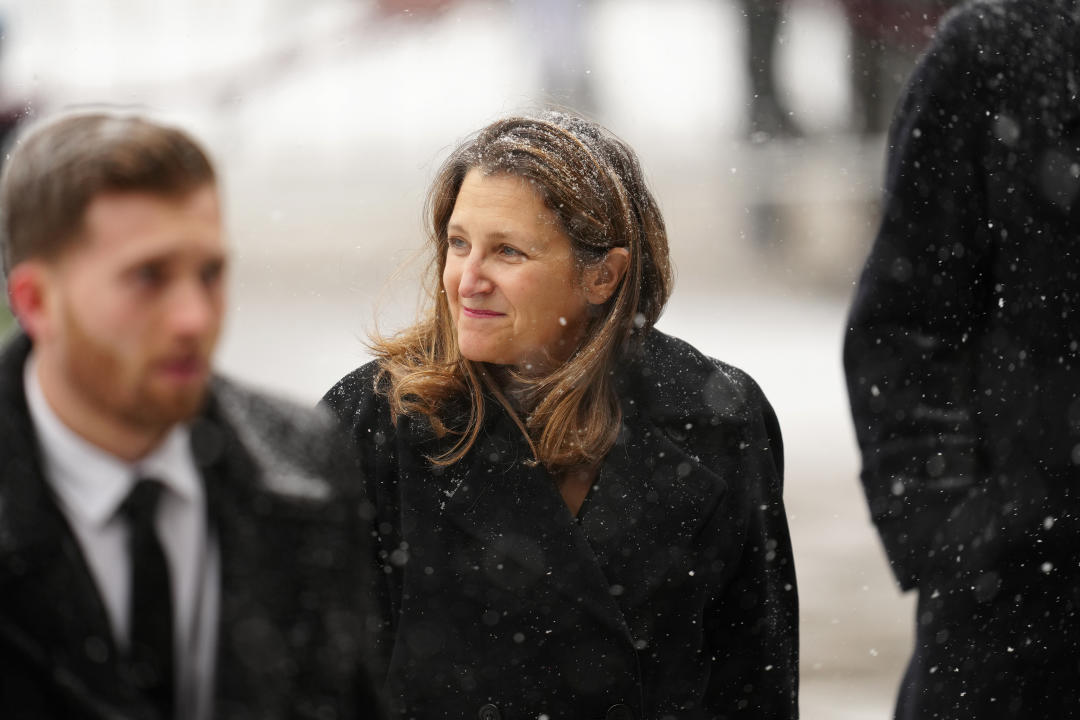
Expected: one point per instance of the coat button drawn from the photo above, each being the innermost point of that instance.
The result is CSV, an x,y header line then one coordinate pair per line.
x,y
489,712
619,712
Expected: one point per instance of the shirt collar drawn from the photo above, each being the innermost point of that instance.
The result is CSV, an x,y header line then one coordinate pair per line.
x,y
92,482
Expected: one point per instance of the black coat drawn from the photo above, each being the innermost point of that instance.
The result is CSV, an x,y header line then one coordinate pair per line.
x,y
672,596
963,363
292,641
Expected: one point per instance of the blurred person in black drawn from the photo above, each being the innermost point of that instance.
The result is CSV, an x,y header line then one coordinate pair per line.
x,y
769,115
963,363
886,37
579,516
172,546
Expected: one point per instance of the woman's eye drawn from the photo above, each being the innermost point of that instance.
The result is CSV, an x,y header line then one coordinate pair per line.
x,y
509,251
456,243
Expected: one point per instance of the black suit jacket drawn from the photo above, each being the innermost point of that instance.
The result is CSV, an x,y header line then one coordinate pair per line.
x,y
293,625
672,594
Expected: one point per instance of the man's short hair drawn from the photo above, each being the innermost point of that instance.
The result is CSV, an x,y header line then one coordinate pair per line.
x,y
57,169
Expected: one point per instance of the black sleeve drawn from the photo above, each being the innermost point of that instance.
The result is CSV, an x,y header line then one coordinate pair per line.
x,y
752,625
364,418
909,354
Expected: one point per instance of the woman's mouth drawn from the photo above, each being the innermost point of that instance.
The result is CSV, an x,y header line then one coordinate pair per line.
x,y
480,314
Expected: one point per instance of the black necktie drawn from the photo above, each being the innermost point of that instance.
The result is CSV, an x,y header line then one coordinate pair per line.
x,y
151,657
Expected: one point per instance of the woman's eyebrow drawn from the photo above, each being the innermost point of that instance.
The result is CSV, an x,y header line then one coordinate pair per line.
x,y
454,227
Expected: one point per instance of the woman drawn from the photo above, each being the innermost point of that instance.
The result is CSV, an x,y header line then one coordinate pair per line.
x,y
580,517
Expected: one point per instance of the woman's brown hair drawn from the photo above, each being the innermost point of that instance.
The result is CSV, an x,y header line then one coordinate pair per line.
x,y
593,184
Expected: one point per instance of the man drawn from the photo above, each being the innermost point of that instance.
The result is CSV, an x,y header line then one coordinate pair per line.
x,y
171,545
963,364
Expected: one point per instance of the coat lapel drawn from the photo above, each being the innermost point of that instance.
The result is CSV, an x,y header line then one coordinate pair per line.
x,y
282,568
505,503
51,613
654,484
648,488
251,678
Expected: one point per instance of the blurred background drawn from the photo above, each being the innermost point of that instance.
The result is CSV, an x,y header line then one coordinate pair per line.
x,y
760,124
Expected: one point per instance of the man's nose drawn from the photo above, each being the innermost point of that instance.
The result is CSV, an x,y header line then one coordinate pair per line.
x,y
194,308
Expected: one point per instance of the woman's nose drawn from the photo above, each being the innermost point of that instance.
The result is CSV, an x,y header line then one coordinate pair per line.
x,y
474,279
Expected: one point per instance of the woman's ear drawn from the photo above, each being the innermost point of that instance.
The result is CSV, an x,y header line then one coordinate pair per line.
x,y
602,278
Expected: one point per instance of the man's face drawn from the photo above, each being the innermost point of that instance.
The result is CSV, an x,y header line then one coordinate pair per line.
x,y
136,305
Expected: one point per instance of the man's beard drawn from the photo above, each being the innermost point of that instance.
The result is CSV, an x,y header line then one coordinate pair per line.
x,y
98,373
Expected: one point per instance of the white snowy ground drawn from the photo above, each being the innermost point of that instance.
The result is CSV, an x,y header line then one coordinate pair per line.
x,y
328,127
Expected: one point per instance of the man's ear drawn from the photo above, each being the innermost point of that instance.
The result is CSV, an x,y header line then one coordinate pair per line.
x,y
602,278
28,295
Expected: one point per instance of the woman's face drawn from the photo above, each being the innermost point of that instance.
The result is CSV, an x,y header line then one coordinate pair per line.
x,y
514,289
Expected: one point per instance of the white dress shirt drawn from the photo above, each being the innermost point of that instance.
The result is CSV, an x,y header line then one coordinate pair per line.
x,y
91,484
